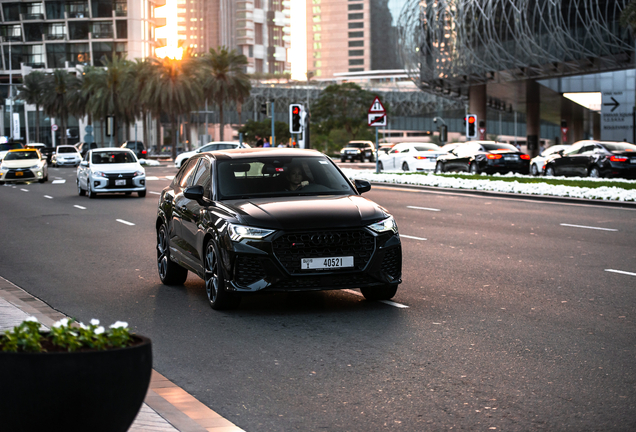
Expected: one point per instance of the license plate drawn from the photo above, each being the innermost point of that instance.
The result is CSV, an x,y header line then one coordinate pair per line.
x,y
511,157
120,182
326,263
632,160
19,173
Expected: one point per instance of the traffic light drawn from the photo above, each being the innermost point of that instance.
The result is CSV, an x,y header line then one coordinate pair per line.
x,y
295,117
264,108
471,126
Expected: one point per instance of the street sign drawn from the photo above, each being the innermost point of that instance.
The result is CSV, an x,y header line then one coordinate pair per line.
x,y
617,123
482,133
564,135
377,107
53,127
376,119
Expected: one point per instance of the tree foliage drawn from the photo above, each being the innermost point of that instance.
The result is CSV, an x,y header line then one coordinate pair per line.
x,y
628,17
251,129
32,91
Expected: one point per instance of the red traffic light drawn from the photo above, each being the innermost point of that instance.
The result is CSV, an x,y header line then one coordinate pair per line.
x,y
295,110
471,119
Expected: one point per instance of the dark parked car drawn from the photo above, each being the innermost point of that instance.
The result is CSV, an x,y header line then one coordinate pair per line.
x,y
137,148
84,147
483,157
260,220
594,159
358,150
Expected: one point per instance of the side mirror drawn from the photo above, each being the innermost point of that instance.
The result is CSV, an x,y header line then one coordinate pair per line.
x,y
560,152
362,186
84,163
195,193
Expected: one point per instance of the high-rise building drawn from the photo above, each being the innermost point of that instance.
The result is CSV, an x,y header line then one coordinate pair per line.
x,y
259,29
352,36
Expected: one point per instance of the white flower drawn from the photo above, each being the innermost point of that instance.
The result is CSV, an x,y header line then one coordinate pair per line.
x,y
119,324
83,326
74,333
99,330
61,323
95,322
31,319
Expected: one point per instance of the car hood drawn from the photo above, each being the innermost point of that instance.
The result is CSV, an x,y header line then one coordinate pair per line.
x,y
291,213
26,163
117,168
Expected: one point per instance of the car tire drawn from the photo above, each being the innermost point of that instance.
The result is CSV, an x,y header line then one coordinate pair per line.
x,y
342,160
473,168
142,194
549,172
218,297
80,191
439,168
385,292
595,172
534,170
170,272
380,166
405,167
91,194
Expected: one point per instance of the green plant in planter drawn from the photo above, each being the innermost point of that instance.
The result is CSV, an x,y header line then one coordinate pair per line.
x,y
65,335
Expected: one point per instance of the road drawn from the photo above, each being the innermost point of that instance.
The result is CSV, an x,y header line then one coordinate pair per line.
x,y
513,321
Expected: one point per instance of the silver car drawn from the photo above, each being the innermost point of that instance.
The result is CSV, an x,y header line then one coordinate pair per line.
x,y
66,155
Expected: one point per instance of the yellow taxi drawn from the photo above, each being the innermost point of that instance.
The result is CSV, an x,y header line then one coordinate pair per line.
x,y
23,165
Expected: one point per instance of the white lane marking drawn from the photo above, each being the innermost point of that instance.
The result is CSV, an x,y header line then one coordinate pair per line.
x,y
389,302
621,272
58,181
48,196
170,177
588,227
152,178
423,208
125,222
411,237
79,207
155,193
24,190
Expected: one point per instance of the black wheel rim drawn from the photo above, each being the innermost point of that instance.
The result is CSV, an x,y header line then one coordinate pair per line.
x,y
594,173
162,252
211,274
405,167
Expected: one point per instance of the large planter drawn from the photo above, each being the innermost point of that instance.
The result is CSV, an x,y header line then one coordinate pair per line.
x,y
74,391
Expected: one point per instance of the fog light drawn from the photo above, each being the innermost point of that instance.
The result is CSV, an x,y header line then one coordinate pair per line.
x,y
95,183
142,182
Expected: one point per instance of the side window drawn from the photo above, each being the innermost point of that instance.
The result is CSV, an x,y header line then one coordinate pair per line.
x,y
202,176
405,150
573,150
588,149
182,176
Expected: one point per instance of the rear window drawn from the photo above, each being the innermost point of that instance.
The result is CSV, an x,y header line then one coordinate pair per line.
x,y
358,145
113,157
499,146
426,147
268,177
619,147
10,146
22,155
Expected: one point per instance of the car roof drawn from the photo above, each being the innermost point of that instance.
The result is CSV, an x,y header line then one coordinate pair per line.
x,y
111,149
22,150
244,153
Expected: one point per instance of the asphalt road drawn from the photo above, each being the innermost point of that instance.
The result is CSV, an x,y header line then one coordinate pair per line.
x,y
513,321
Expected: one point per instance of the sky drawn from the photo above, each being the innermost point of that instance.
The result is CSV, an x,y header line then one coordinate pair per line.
x,y
298,51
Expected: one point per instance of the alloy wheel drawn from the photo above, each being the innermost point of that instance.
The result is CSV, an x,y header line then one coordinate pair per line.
x,y
211,274
162,252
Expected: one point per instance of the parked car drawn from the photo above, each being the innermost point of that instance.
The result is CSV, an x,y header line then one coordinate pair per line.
x,y
594,159
66,155
484,157
137,148
537,163
110,170
264,220
5,147
212,146
23,165
84,147
410,156
358,150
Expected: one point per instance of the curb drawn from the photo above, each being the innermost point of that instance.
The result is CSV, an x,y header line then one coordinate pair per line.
x,y
548,198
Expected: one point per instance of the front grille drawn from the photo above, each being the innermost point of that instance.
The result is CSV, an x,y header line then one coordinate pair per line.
x,y
248,270
291,248
124,176
324,282
27,173
392,263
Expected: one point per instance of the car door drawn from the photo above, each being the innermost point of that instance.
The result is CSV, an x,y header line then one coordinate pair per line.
x,y
179,207
82,171
582,160
394,156
191,215
564,164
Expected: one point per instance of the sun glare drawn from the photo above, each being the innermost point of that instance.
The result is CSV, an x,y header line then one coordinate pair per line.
x,y
169,31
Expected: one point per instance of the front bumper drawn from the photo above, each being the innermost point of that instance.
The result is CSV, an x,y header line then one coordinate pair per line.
x,y
255,266
113,183
66,162
21,174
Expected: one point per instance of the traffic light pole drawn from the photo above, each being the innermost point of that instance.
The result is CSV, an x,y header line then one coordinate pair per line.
x,y
273,130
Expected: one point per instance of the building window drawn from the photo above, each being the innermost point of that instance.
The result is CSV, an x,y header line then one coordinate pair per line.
x,y
356,16
318,63
356,69
316,18
35,56
317,45
317,37
11,32
56,55
78,30
250,51
356,53
78,54
121,8
101,51
316,27
34,11
258,34
317,54
33,32
356,62
258,4
122,29
278,36
259,65
11,11
102,9
54,10
353,7
316,9
358,43
356,25
356,35
77,9
102,30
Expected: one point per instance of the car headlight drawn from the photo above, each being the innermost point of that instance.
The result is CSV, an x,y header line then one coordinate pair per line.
x,y
34,166
240,232
99,174
138,173
387,224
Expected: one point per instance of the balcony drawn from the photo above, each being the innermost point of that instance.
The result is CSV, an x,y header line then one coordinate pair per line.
x,y
32,16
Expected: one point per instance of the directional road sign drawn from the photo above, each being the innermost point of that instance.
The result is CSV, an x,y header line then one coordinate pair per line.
x,y
617,120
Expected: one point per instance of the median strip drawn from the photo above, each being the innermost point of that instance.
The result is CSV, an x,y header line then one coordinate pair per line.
x,y
620,272
589,227
125,222
422,208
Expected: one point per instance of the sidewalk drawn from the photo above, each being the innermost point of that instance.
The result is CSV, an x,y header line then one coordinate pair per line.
x,y
167,408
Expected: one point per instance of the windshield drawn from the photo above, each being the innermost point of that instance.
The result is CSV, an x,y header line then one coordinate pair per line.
x,y
68,149
22,155
280,176
358,145
10,146
499,146
113,157
619,147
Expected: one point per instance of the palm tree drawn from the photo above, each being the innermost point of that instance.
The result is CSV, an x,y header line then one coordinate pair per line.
x,y
138,78
628,16
32,92
172,89
56,101
81,94
225,79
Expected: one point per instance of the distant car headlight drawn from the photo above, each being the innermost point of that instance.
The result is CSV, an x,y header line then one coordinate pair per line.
x,y
99,174
387,224
138,173
240,232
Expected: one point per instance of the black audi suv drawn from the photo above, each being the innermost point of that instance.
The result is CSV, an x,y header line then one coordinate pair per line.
x,y
258,220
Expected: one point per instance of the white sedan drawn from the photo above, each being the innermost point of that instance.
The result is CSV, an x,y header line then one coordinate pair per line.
x,y
212,146
536,164
411,157
23,165
66,155
110,170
